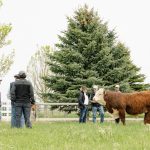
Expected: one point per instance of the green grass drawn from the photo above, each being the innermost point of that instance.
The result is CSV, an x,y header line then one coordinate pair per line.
x,y
73,114
75,136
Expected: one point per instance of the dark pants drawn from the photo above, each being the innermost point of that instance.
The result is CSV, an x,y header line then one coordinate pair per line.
x,y
13,117
24,108
83,114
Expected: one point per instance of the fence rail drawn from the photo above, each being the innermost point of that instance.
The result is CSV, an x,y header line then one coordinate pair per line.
x,y
48,112
58,104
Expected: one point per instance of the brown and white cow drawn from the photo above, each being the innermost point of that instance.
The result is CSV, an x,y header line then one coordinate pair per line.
x,y
132,103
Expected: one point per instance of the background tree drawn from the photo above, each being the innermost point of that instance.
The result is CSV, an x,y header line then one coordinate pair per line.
x,y
0,2
37,69
88,53
5,60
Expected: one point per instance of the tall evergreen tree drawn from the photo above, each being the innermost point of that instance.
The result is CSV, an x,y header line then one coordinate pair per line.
x,y
88,53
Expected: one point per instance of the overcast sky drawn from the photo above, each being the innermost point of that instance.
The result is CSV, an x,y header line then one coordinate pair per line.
x,y
38,22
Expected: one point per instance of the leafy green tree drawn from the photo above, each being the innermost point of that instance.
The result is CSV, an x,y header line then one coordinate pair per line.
x,y
0,2
5,60
88,53
5,63
37,69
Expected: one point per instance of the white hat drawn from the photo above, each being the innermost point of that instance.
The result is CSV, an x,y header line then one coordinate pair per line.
x,y
117,86
95,86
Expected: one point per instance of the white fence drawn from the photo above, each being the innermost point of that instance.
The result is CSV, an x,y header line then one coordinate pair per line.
x,y
61,112
56,111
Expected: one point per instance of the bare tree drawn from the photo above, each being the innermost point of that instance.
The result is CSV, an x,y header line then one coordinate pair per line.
x,y
37,69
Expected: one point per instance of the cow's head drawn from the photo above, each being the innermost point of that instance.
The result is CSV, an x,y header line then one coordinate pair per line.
x,y
99,97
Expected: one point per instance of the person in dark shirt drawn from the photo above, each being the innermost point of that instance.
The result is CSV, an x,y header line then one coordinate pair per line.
x,y
83,101
23,96
13,107
96,106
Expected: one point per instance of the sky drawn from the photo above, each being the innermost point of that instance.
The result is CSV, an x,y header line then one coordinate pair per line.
x,y
39,22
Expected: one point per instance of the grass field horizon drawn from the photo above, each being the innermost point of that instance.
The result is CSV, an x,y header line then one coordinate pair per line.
x,y
75,136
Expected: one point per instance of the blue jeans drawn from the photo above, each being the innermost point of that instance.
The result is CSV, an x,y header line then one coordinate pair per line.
x,y
83,114
24,108
13,117
101,113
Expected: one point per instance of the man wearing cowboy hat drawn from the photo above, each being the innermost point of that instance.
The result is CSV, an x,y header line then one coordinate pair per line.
x,y
13,108
23,96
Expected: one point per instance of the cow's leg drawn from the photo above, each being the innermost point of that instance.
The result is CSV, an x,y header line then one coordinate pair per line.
x,y
122,115
147,118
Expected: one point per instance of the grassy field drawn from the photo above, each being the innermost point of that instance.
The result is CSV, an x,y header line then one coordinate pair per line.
x,y
61,114
75,136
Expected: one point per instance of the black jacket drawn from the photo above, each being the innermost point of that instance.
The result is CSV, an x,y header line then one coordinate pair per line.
x,y
22,92
81,100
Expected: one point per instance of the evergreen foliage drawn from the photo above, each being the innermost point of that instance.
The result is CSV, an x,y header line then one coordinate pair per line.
x,y
88,53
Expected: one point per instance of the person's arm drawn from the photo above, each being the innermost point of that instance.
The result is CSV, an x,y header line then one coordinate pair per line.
x,y
91,98
31,94
12,92
80,99
8,93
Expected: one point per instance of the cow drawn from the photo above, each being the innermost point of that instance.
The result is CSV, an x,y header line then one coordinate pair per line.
x,y
132,103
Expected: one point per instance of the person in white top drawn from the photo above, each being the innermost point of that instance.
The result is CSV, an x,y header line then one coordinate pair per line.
x,y
83,101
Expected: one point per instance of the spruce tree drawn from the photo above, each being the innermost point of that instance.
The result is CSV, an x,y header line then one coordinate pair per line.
x,y
88,53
